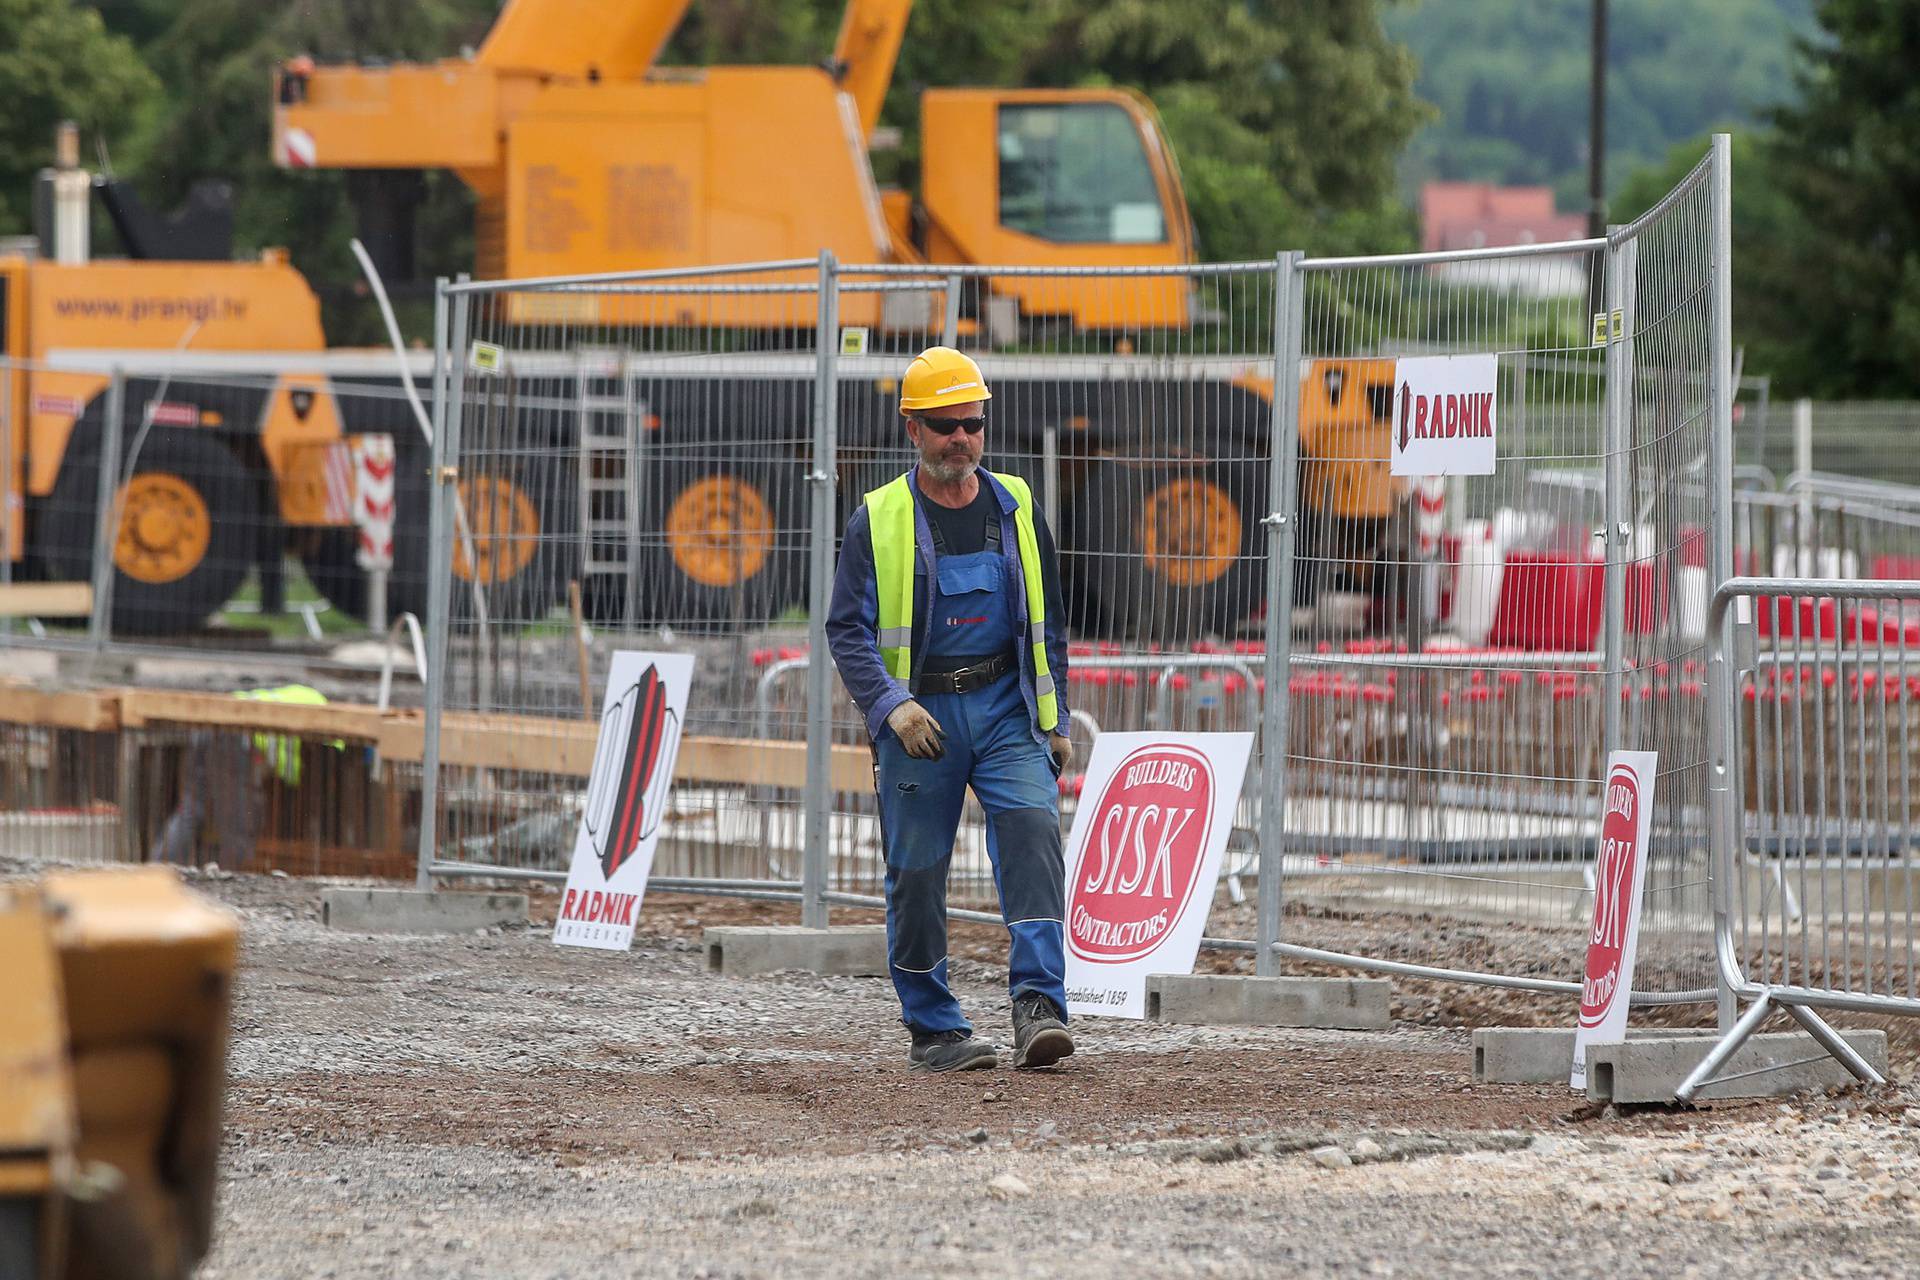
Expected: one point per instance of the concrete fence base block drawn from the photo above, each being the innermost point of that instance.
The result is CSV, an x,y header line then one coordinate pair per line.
x,y
1225,999
1649,1068
1542,1055
855,951
417,911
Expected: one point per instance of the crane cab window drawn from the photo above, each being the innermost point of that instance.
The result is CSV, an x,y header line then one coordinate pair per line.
x,y
1077,172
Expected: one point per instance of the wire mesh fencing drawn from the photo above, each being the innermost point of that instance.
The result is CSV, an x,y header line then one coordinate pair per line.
x,y
621,464
1137,406
1451,691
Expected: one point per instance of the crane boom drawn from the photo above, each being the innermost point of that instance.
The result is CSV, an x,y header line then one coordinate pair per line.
x,y
869,44
613,39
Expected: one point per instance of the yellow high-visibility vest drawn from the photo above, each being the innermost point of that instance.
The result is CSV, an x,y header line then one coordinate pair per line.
x,y
281,751
890,517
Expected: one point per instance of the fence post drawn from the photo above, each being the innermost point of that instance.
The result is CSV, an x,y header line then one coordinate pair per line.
x,y
1724,809
820,479
449,337
107,513
1803,539
1616,531
1289,313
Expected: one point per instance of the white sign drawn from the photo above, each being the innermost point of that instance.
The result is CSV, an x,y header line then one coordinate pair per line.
x,y
1143,859
373,463
1619,877
1443,415
626,797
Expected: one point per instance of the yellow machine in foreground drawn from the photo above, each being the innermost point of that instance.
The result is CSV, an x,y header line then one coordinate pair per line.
x,y
113,1048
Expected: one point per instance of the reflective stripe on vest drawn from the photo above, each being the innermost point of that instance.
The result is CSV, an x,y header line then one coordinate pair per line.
x,y
890,518
281,751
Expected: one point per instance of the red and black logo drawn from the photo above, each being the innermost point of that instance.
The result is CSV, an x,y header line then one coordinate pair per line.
x,y
1406,406
629,788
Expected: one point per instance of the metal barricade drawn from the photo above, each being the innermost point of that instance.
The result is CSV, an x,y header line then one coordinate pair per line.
x,y
621,462
1813,799
1426,782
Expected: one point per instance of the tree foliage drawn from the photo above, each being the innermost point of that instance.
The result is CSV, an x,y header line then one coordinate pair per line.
x,y
1826,213
1511,79
59,62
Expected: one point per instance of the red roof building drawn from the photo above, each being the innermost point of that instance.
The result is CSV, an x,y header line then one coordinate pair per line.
x,y
1479,215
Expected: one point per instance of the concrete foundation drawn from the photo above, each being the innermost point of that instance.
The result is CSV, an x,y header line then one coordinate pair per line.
x,y
414,911
1542,1055
1222,999
855,951
1649,1068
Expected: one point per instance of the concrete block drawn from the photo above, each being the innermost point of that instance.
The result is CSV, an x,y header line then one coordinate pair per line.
x,y
853,951
1649,1068
415,911
1226,999
1541,1055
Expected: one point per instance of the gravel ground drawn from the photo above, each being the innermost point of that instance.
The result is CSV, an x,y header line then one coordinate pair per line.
x,y
492,1106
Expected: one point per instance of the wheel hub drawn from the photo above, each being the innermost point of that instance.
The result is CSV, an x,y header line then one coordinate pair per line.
x,y
165,528
1190,532
504,529
720,530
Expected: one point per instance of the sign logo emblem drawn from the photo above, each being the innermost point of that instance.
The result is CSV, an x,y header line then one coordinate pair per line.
x,y
629,788
1613,880
1143,855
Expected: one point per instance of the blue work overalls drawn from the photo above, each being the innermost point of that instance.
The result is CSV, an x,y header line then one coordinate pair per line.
x,y
991,746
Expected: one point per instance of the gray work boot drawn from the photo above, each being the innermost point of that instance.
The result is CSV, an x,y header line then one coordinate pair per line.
x,y
951,1051
1040,1039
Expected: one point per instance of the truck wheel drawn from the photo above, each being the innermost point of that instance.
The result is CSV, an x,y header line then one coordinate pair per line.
x,y
727,543
1169,551
189,517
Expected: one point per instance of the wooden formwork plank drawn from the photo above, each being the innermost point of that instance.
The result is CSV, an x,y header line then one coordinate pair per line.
x,y
46,599
543,745
92,710
140,707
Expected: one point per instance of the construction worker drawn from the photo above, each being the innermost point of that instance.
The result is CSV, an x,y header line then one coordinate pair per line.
x,y
221,779
948,630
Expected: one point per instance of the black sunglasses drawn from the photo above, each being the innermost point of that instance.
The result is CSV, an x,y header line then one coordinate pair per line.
x,y
947,426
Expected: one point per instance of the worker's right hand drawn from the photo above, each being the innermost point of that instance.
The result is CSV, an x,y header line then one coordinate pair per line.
x,y
918,731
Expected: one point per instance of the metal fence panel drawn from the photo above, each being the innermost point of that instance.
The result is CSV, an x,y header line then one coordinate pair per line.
x,y
1448,732
1137,404
621,463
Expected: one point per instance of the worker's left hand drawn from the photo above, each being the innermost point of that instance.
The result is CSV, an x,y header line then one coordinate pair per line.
x,y
1062,747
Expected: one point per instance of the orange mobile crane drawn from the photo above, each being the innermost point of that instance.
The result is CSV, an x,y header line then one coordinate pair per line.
x,y
584,156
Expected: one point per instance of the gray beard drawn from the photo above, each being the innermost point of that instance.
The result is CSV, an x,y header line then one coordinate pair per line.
x,y
949,472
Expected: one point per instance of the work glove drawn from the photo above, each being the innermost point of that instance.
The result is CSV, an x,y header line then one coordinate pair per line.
x,y
1062,747
918,731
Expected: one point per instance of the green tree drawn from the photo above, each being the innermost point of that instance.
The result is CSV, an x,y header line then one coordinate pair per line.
x,y
1848,158
1511,80
1826,213
59,62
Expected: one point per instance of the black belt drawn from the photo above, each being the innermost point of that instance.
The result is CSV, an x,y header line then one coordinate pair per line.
x,y
978,675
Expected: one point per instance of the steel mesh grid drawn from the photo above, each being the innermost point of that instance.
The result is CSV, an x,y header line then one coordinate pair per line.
x,y
632,455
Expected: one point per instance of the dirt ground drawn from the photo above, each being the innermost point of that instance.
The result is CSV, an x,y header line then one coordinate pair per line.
x,y
489,1105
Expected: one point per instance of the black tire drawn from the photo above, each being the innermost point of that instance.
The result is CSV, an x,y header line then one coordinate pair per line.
x,y
1168,551
174,578
727,541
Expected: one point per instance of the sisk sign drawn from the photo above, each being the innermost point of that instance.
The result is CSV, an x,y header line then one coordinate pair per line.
x,y
1142,861
1444,411
626,796
1619,879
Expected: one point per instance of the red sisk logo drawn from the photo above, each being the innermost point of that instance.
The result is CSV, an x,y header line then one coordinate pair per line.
x,y
1406,414
1143,854
1613,876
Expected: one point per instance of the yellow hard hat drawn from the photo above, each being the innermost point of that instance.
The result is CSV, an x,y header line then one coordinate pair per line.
x,y
941,376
